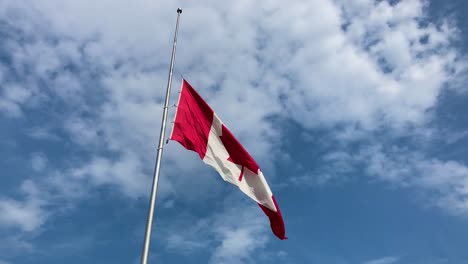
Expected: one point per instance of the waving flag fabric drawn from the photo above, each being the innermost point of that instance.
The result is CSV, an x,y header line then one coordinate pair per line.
x,y
198,128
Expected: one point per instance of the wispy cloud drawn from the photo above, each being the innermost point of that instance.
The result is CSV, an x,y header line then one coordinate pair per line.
x,y
444,183
27,214
42,133
231,235
38,161
384,260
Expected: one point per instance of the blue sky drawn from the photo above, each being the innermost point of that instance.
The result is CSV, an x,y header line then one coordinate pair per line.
x,y
354,110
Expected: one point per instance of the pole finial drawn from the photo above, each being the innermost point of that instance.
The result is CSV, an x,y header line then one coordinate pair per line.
x,y
179,10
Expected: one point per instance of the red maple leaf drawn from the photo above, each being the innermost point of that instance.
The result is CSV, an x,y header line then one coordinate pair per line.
x,y
237,153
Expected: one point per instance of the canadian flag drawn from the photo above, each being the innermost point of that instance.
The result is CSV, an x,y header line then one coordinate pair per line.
x,y
198,128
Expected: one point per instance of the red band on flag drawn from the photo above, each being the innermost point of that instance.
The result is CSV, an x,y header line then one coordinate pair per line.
x,y
276,220
193,121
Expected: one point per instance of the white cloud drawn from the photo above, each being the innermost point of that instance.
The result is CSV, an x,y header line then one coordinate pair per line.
x,y
38,161
179,242
27,214
362,91
11,97
125,172
9,108
235,232
42,133
16,93
445,182
300,67
451,138
108,64
82,131
384,260
242,232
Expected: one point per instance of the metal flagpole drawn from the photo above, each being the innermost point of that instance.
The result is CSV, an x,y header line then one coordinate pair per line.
x,y
149,223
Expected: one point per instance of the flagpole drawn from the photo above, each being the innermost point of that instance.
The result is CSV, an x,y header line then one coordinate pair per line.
x,y
149,223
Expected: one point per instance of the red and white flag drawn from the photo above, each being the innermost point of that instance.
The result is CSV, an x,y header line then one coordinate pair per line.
x,y
198,128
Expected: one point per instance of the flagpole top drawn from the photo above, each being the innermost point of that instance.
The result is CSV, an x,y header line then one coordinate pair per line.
x,y
179,10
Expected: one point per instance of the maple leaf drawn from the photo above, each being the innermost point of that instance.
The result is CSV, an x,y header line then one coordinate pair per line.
x,y
237,153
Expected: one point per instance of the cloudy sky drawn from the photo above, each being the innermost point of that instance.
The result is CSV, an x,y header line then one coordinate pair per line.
x,y
354,109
